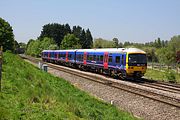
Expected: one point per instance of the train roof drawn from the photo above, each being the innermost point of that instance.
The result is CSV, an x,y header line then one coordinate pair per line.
x,y
59,50
111,50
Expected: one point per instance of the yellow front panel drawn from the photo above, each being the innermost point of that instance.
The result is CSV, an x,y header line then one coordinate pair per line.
x,y
131,69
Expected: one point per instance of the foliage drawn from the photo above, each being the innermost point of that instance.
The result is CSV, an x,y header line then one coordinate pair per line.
x,y
29,93
35,47
160,50
70,42
55,31
58,32
116,42
85,38
167,76
22,45
6,36
102,43
171,76
166,56
88,42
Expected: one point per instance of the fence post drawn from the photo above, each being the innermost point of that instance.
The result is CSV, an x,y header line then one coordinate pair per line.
x,y
1,55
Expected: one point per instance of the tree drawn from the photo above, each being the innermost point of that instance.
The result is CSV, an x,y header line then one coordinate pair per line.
x,y
77,30
22,45
116,41
35,47
82,38
55,31
102,43
127,43
89,40
70,41
159,43
6,36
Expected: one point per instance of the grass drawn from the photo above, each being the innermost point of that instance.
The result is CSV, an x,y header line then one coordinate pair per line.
x,y
28,93
168,76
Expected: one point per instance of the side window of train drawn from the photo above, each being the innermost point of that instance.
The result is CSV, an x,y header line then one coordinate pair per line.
x,y
97,58
91,57
110,58
69,56
77,57
122,59
87,57
94,57
117,59
101,58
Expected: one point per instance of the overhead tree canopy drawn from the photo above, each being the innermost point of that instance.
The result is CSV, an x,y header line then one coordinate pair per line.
x,y
6,36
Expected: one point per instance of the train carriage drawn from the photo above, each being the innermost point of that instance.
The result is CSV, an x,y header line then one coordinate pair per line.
x,y
121,62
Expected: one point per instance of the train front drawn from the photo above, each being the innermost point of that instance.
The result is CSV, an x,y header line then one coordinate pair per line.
x,y
136,63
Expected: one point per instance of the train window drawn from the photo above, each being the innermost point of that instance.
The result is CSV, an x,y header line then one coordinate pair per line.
x,y
63,55
77,57
94,57
122,59
101,58
97,58
91,57
110,58
117,59
81,57
69,55
87,57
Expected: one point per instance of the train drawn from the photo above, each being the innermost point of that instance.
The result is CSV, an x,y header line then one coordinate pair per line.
x,y
118,62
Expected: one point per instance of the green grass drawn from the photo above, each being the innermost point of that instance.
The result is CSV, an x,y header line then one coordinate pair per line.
x,y
28,93
162,75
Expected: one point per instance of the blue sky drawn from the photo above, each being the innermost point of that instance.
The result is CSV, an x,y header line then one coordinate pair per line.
x,y
128,20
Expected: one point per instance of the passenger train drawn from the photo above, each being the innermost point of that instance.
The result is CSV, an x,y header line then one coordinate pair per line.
x,y
119,62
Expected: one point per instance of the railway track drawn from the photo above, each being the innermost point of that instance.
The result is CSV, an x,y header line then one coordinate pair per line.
x,y
161,92
169,87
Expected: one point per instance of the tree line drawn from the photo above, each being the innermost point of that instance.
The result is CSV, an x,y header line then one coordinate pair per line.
x,y
58,32
61,36
163,51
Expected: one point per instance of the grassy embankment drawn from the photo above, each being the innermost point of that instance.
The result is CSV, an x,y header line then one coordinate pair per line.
x,y
168,76
29,93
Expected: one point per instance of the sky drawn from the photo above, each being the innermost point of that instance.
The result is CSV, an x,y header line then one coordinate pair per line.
x,y
128,20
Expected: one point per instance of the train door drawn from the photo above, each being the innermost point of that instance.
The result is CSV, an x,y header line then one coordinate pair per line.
x,y
105,60
85,58
66,56
48,55
56,55
123,61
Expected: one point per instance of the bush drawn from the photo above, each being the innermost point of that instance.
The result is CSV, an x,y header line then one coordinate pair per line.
x,y
170,75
